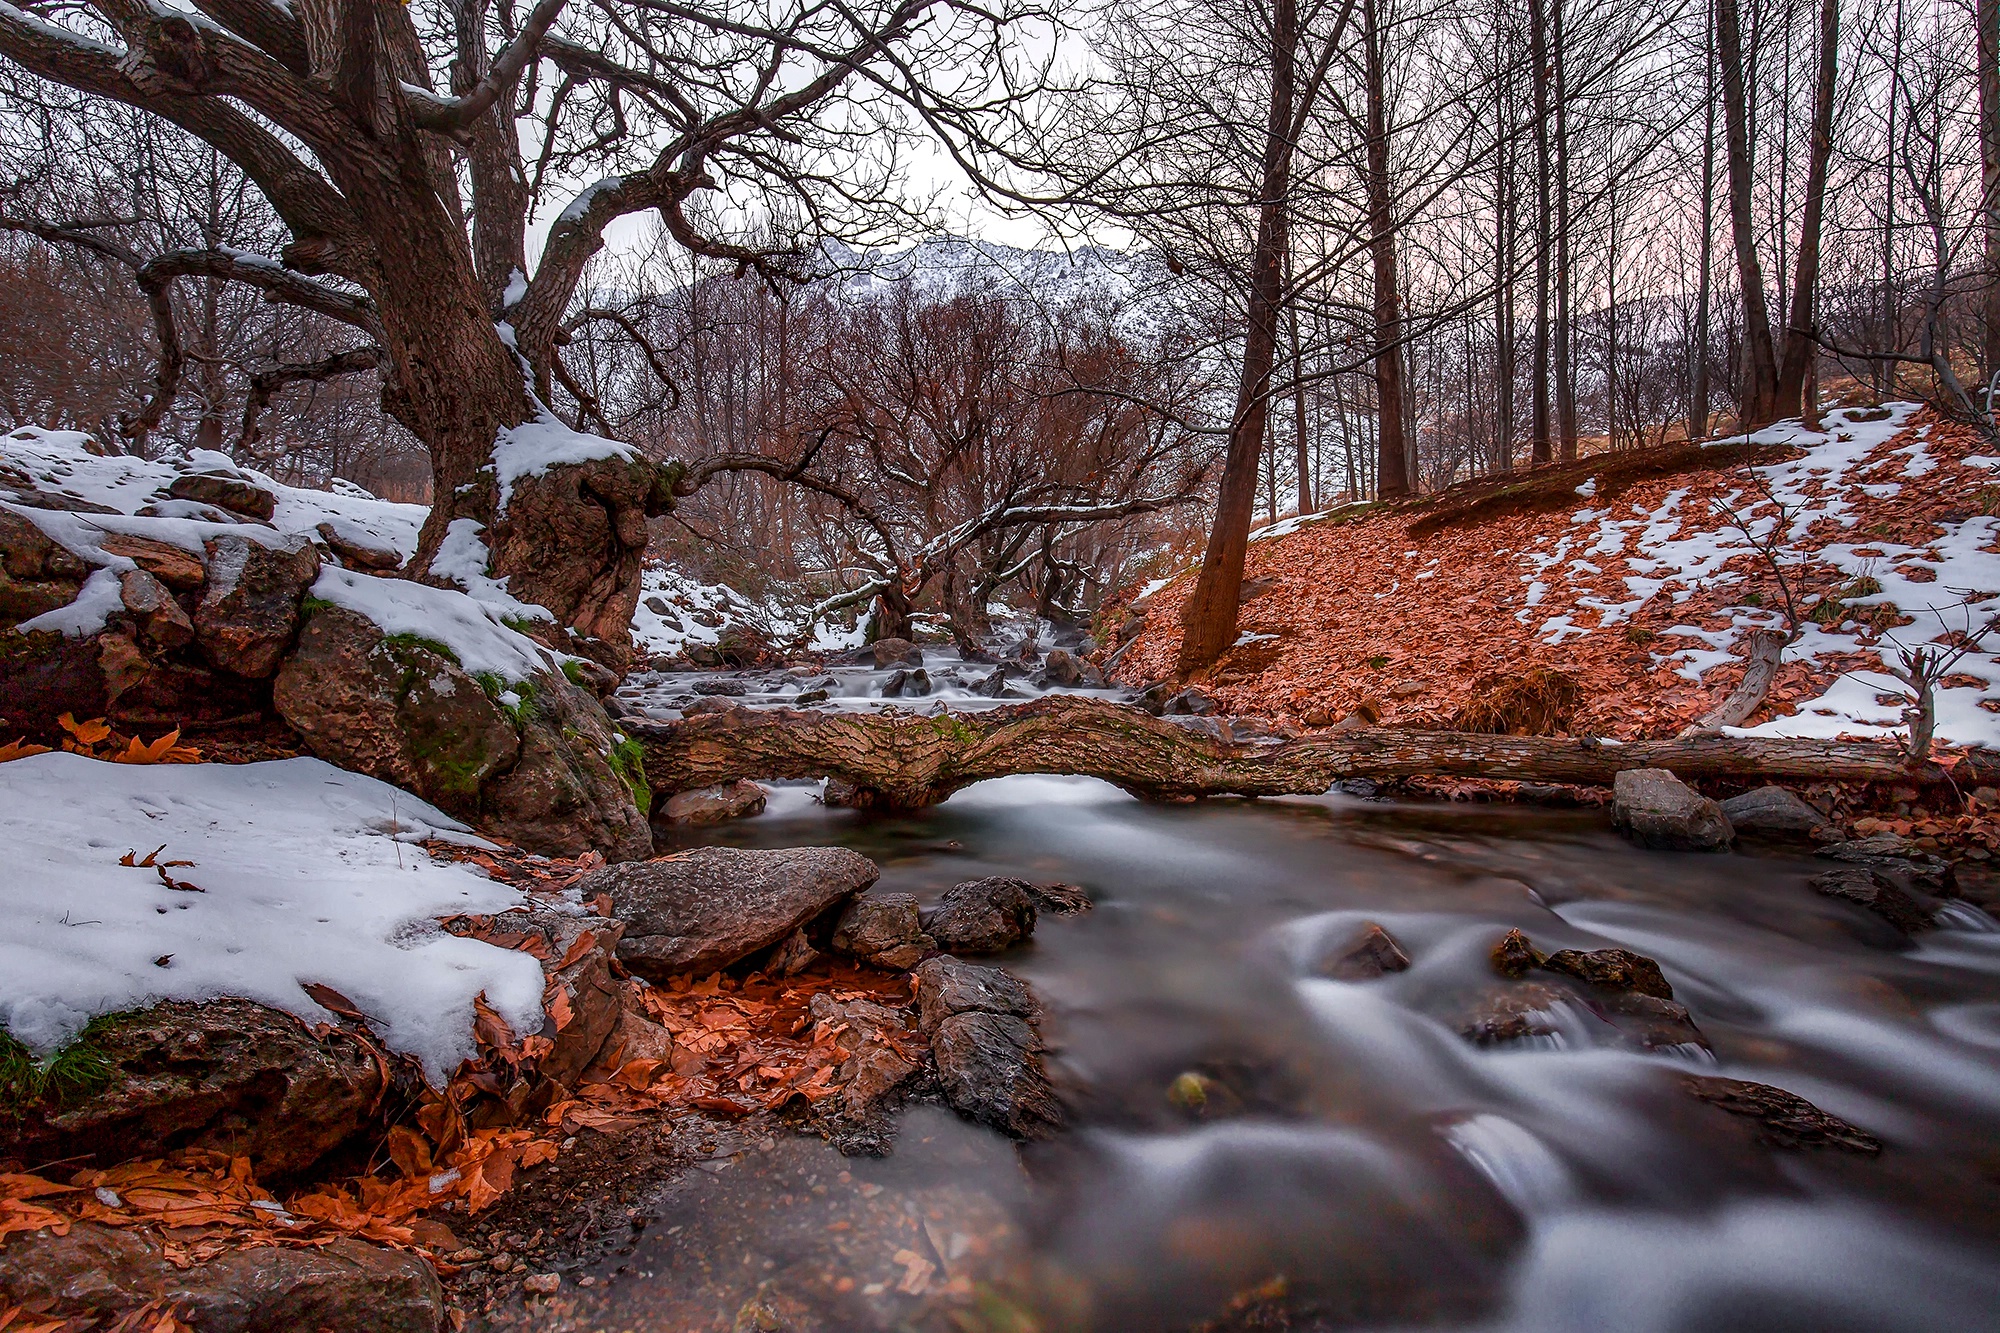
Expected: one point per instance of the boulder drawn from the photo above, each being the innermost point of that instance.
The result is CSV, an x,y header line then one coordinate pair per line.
x,y
1062,667
356,553
947,986
883,930
180,570
742,646
538,770
1374,953
104,1273
1867,887
1513,956
990,1067
44,674
1783,1119
156,614
249,613
37,574
815,695
239,495
894,652
994,684
227,1074
1190,702
583,1002
1773,812
1514,1013
983,916
1613,969
704,909
633,1037
1657,810
721,685
1060,899
717,804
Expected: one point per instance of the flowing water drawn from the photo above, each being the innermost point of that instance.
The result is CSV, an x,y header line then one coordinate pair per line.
x,y
1355,1159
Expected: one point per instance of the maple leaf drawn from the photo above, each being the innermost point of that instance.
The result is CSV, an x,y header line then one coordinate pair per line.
x,y
86,733
22,748
166,750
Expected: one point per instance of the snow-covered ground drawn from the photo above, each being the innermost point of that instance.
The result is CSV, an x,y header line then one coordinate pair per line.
x,y
307,873
677,613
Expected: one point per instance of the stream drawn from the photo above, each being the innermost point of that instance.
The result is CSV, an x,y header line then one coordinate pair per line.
x,y
1355,1162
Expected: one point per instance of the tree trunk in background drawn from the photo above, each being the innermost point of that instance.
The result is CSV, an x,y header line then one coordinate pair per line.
x,y
1503,291
1759,390
1543,441
1301,442
1392,472
1987,15
1208,626
1801,352
1697,419
1564,367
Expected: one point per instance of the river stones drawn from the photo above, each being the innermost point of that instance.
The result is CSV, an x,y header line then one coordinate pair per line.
x,y
107,1273
1060,899
1514,956
1773,812
717,804
1659,811
1783,1119
1867,887
987,1052
1374,953
1615,969
912,684
984,916
1898,858
894,653
704,909
1626,990
882,929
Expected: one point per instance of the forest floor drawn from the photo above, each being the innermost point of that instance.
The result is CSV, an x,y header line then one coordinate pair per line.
x,y
1638,575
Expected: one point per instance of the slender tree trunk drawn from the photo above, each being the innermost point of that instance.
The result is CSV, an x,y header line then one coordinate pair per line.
x,y
1503,291
1800,349
1759,392
1697,419
1392,470
1892,339
1611,316
1987,15
1564,367
1208,626
1301,439
1543,439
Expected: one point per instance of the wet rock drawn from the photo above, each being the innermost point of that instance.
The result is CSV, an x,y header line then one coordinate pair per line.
x,y
947,986
702,655
907,684
1060,899
883,930
812,696
106,1273
742,646
1657,810
990,1068
1784,1119
870,1076
1773,812
227,1074
1062,667
1613,969
717,804
710,706
632,1037
1867,887
1652,1022
1513,1014
720,685
710,907
1190,702
249,614
994,684
894,653
1513,956
356,553
239,495
984,916
158,616
842,794
1898,858
1374,953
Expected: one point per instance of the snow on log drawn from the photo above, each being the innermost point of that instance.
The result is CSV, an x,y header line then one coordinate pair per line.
x,y
903,759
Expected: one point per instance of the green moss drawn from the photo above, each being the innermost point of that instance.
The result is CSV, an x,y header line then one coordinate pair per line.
x,y
72,1073
523,624
951,728
628,760
427,644
312,606
574,670
522,710
1376,663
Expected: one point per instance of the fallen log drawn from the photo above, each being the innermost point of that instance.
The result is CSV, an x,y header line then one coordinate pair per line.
x,y
907,759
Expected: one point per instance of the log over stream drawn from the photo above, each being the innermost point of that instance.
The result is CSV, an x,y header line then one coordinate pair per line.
x,y
907,759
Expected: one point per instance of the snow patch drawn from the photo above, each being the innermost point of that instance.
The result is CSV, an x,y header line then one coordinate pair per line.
x,y
472,629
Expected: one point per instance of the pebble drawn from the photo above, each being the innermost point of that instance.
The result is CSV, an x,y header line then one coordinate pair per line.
x,y
543,1284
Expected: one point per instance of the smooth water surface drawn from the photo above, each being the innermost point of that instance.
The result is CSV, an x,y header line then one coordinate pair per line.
x,y
1353,1144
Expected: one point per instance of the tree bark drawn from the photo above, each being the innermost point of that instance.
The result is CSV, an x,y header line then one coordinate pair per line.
x,y
1757,397
905,760
1209,623
1801,348
1760,667
1987,16
1697,418
1392,474
1542,443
